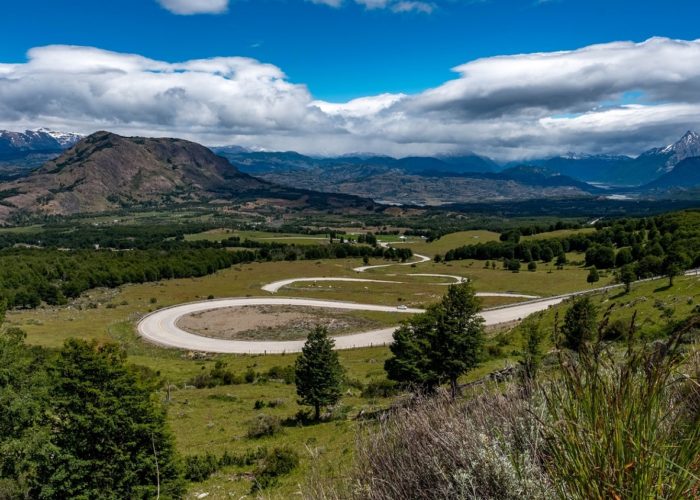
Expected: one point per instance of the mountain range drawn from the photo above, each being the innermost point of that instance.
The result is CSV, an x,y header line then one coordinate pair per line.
x,y
19,144
21,152
474,178
105,171
625,170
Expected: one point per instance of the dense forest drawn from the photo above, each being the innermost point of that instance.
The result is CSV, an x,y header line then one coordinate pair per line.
x,y
666,244
29,276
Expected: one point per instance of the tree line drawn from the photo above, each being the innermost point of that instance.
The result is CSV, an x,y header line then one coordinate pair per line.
x,y
665,244
31,276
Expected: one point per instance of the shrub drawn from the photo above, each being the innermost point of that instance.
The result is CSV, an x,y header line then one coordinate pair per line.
x,y
219,375
198,468
250,376
593,275
532,266
284,373
263,425
380,388
278,462
444,448
494,351
513,265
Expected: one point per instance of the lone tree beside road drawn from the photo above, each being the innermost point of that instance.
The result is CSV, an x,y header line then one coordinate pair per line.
x,y
593,276
441,344
627,276
673,265
319,375
580,323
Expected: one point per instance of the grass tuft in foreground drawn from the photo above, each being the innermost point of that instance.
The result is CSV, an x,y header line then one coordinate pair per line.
x,y
610,422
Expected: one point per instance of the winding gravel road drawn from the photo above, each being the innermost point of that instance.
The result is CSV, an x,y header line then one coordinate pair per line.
x,y
421,259
276,286
161,327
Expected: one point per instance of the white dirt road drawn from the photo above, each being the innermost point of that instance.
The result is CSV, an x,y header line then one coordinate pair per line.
x,y
161,327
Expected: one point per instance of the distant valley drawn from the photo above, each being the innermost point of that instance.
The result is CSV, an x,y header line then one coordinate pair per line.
x,y
473,178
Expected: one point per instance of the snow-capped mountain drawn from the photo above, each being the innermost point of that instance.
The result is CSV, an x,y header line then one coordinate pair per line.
x,y
18,144
687,147
587,156
65,139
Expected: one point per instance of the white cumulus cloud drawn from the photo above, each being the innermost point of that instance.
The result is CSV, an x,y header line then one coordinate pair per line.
x,y
619,97
190,7
392,5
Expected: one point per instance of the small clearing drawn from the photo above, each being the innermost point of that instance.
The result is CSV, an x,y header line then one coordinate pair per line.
x,y
273,322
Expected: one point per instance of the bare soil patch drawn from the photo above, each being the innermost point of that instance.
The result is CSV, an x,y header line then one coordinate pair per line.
x,y
274,322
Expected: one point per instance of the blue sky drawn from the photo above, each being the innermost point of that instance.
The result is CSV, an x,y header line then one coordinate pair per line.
x,y
346,52
510,79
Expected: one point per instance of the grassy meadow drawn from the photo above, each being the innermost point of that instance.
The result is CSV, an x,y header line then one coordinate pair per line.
x,y
217,419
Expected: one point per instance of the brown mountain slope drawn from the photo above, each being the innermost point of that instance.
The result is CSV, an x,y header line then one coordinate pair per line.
x,y
105,171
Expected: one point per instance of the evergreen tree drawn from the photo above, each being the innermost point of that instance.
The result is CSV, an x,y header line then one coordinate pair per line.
x,y
459,333
561,258
532,353
593,275
110,438
627,276
440,345
410,364
319,375
580,323
23,434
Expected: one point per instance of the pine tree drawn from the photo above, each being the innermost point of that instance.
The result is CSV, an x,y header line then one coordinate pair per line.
x,y
107,433
440,345
410,364
459,332
532,353
319,375
580,323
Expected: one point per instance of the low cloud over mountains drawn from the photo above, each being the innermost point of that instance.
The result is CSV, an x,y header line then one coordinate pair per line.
x,y
618,97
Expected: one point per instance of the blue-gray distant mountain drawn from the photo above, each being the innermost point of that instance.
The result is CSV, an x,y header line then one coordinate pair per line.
x,y
411,180
685,174
15,145
446,164
257,162
22,152
584,167
624,170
